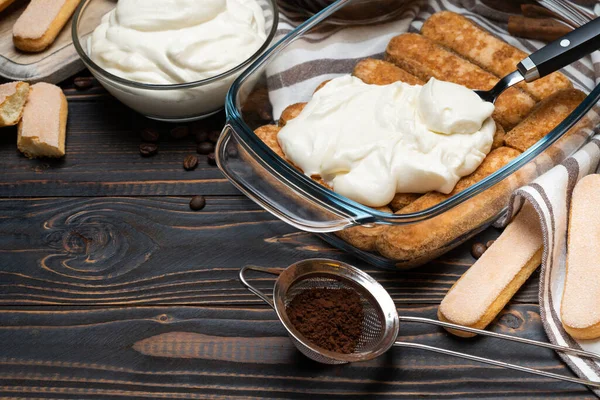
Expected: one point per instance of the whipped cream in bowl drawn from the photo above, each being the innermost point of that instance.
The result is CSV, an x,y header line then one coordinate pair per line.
x,y
369,142
172,59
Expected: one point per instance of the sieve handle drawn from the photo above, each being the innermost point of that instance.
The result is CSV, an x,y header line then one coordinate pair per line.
x,y
251,288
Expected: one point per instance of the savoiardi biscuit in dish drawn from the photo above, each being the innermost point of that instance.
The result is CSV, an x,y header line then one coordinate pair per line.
x,y
13,96
546,116
580,307
412,242
364,237
466,38
42,129
379,72
290,112
489,284
41,22
425,59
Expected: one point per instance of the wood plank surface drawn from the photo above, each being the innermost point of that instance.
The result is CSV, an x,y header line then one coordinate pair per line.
x,y
117,251
210,352
103,158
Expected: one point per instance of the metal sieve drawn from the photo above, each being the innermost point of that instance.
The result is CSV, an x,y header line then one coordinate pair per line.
x,y
381,322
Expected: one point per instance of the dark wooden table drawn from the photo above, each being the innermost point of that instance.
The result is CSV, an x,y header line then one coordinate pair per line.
x,y
112,288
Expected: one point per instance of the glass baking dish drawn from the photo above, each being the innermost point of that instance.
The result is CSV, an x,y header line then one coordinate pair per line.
x,y
281,189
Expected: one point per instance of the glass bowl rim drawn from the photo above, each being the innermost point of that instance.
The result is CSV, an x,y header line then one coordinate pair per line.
x,y
150,86
364,213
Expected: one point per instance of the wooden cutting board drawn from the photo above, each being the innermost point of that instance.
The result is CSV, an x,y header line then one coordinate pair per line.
x,y
53,65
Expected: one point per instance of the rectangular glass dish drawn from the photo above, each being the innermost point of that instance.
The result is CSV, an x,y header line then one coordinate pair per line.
x,y
287,193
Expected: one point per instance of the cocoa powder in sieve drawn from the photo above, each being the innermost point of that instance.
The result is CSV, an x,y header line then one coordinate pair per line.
x,y
329,318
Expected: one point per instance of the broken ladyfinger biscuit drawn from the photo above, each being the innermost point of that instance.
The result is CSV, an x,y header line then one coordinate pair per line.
x,y
580,307
42,129
477,45
41,22
13,96
426,59
489,284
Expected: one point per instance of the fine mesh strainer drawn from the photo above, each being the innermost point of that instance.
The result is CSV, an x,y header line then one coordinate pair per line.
x,y
381,321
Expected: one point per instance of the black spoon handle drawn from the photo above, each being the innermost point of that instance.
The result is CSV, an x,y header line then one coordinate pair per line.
x,y
569,48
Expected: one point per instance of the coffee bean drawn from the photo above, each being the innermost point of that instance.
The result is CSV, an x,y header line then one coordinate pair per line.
x,y
213,136
148,149
190,163
84,82
201,136
211,159
477,250
180,132
489,243
197,203
149,135
205,148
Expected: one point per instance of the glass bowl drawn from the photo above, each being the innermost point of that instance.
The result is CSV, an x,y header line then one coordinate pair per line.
x,y
172,103
284,191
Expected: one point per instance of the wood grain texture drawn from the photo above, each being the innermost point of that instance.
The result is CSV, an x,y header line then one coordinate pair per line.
x,y
103,158
117,251
117,353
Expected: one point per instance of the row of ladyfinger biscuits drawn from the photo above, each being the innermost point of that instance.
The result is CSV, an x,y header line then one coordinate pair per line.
x,y
41,111
40,23
426,58
482,292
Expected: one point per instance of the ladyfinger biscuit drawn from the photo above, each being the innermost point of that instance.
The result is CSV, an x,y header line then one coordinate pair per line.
x,y
477,45
483,291
41,22
409,242
13,96
5,3
290,113
401,200
580,307
321,85
268,134
361,237
545,117
424,58
379,72
43,127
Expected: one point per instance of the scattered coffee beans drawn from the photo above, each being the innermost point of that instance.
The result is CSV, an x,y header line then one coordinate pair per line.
x,y
489,243
477,250
149,135
329,318
84,82
190,162
211,159
205,148
197,203
148,149
180,132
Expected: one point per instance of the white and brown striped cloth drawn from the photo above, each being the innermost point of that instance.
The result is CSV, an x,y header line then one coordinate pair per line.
x,y
335,49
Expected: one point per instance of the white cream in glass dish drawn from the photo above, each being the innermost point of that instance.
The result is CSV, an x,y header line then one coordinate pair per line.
x,y
172,60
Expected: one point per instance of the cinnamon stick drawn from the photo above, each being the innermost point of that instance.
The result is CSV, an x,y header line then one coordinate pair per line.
x,y
545,29
535,11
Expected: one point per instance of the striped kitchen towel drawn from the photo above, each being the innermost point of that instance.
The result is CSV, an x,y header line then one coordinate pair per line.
x,y
334,49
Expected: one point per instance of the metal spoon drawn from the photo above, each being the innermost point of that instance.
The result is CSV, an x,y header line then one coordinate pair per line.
x,y
552,57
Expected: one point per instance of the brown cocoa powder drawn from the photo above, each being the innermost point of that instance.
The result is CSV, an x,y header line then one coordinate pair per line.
x,y
329,318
